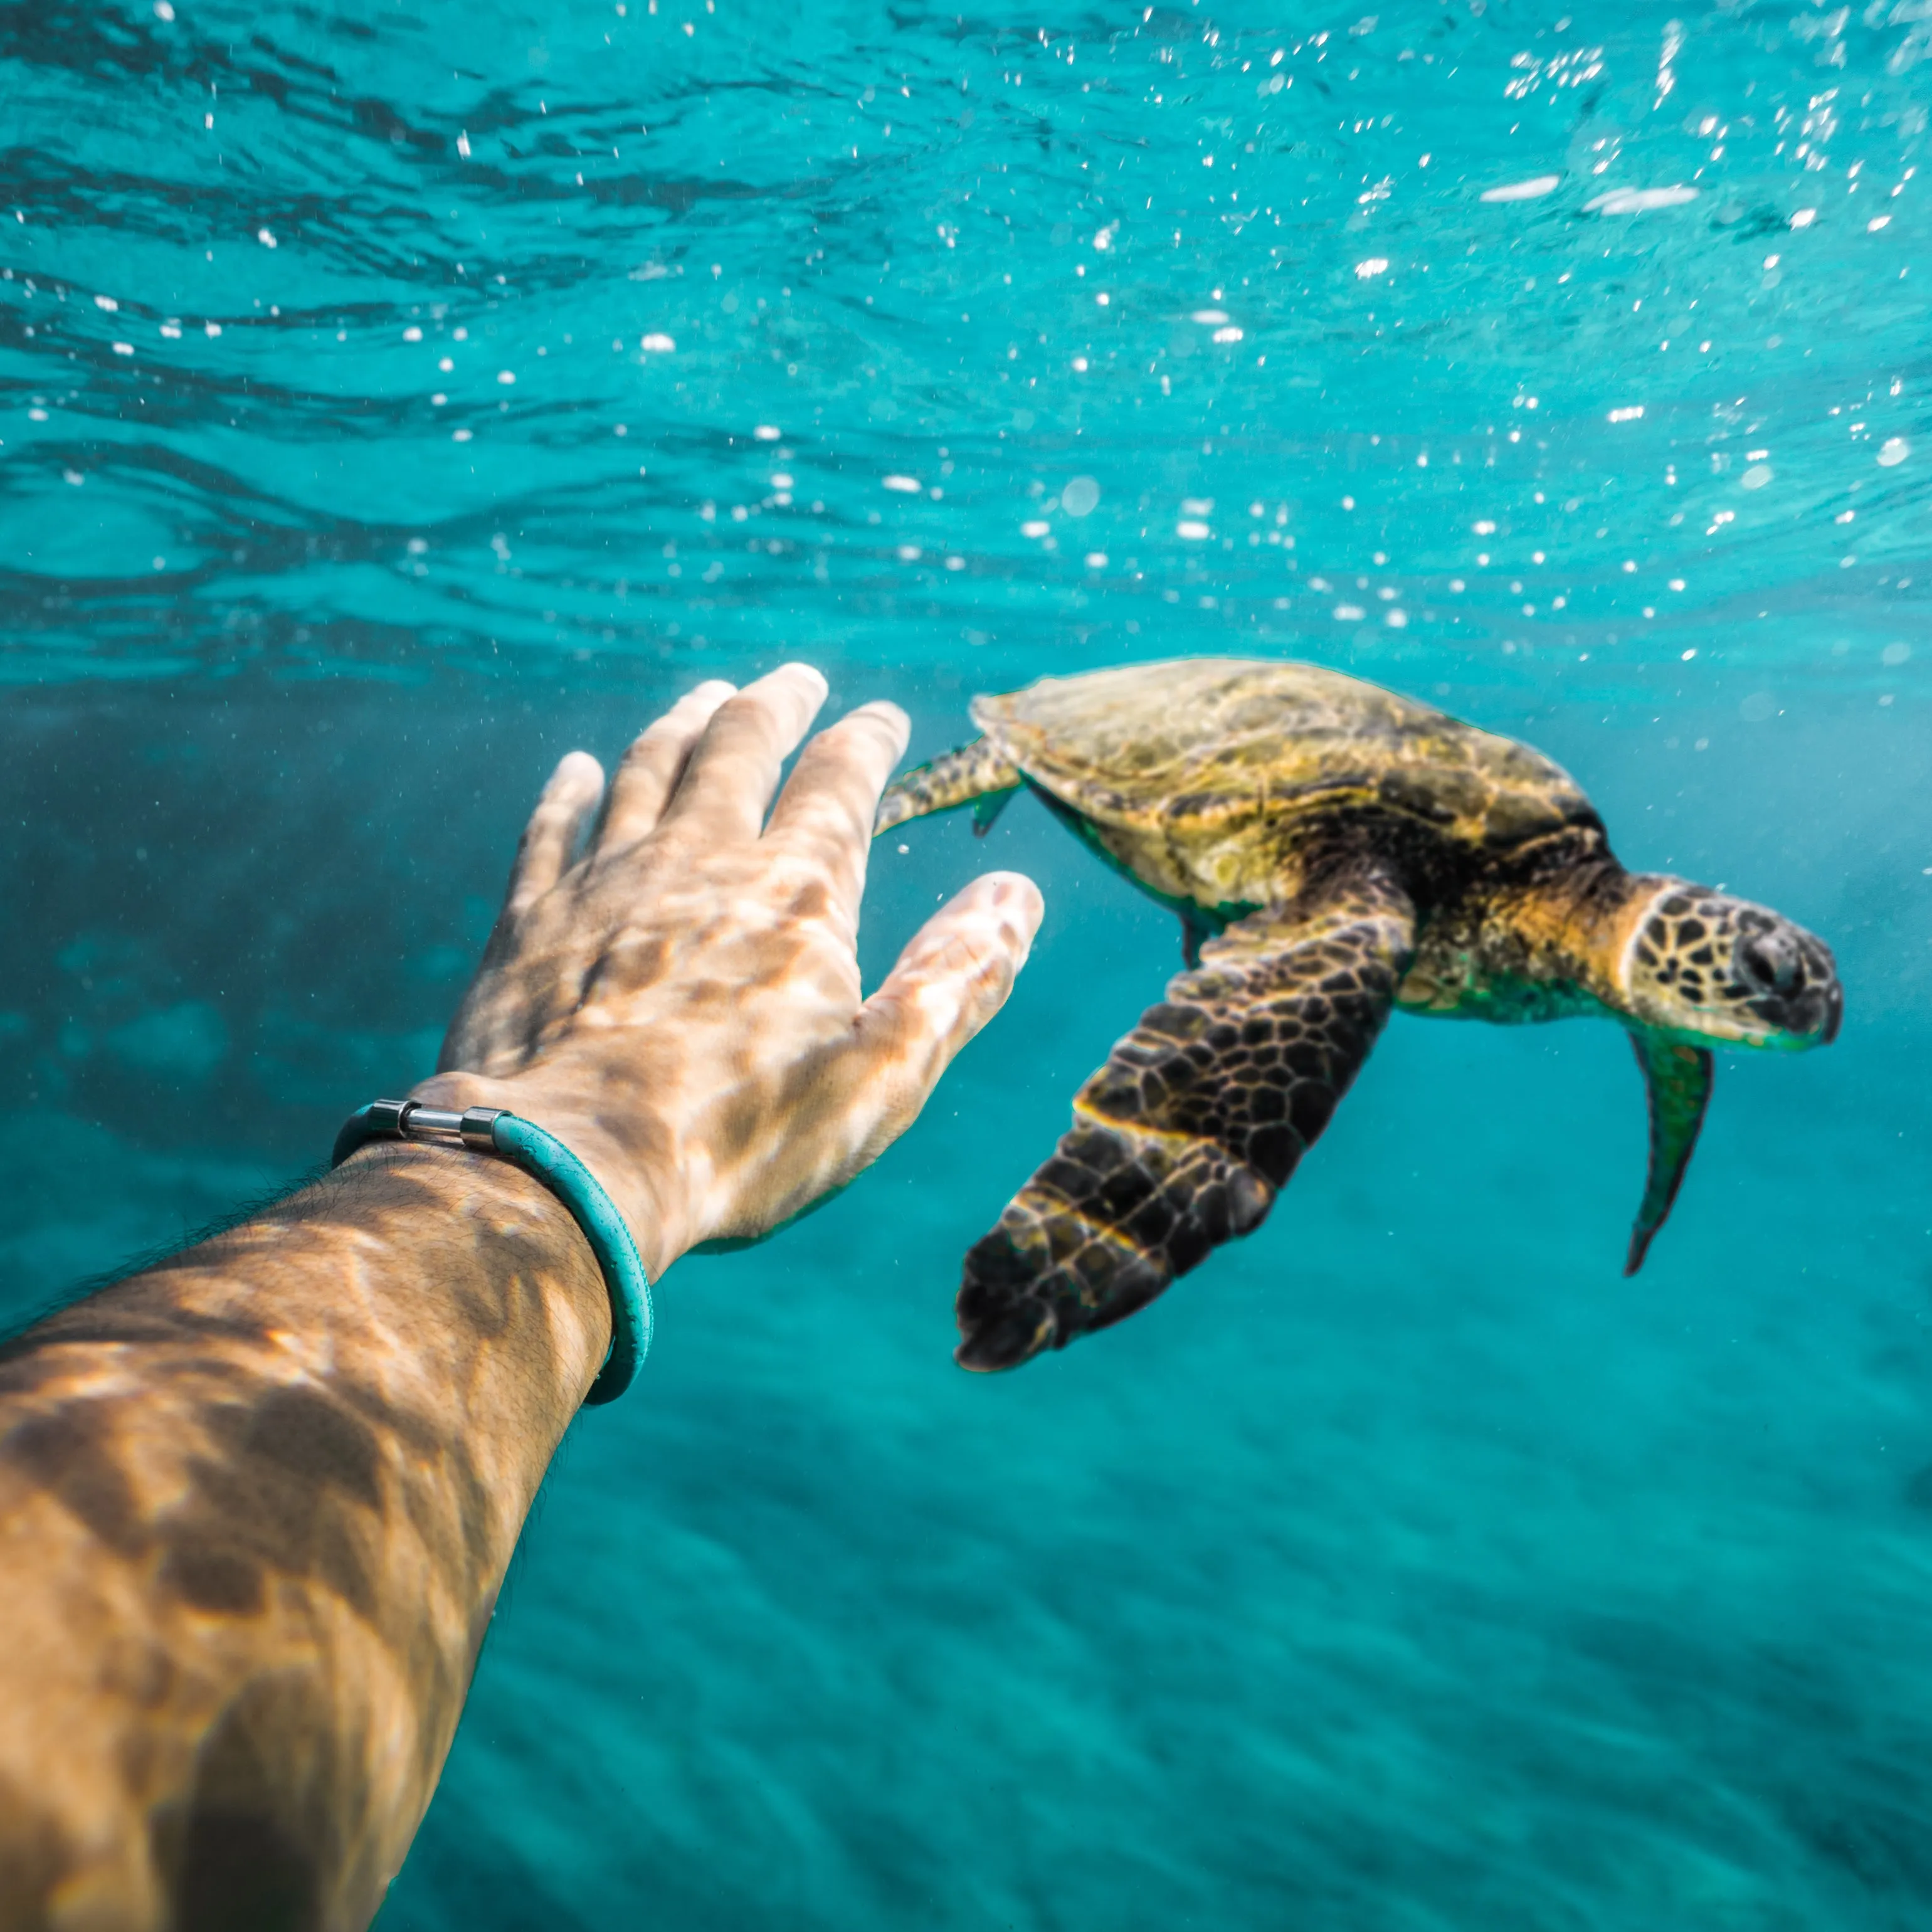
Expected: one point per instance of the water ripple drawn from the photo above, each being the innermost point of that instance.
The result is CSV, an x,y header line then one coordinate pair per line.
x,y
314,307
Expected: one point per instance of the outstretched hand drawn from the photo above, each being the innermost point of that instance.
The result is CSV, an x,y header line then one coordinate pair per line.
x,y
680,1003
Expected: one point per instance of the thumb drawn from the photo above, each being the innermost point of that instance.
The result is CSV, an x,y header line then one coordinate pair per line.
x,y
953,976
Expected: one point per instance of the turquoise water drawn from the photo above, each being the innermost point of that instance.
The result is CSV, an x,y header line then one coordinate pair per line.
x,y
1404,1567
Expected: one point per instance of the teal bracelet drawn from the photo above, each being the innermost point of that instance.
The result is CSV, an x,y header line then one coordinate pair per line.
x,y
524,1145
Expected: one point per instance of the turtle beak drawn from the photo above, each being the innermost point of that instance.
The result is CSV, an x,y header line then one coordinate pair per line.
x,y
1794,984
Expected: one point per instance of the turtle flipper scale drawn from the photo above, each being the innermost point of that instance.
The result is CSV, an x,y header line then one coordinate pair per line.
x,y
1182,1139
974,771
1678,1081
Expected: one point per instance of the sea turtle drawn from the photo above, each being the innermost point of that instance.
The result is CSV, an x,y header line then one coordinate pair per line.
x,y
1334,849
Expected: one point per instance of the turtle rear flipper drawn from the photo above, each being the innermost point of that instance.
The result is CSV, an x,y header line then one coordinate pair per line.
x,y
975,771
1182,1139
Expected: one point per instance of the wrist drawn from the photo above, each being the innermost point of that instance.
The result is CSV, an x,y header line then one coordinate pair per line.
x,y
500,1240
635,1173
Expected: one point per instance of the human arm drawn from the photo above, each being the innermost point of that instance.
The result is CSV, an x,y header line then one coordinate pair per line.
x,y
255,1503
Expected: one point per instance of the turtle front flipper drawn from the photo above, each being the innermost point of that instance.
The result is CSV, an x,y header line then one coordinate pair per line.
x,y
1678,1080
975,771
1183,1138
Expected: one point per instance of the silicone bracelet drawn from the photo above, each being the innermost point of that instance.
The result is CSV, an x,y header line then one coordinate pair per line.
x,y
525,1144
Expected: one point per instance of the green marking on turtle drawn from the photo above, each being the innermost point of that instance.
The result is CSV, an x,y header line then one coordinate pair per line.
x,y
1336,851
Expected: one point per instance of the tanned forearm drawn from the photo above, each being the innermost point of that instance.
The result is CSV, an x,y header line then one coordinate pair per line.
x,y
256,1504
266,1493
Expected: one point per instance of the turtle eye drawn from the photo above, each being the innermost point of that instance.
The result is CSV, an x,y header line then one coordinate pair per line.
x,y
1770,960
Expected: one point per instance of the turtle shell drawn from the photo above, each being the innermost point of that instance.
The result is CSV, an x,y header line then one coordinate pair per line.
x,y
1195,747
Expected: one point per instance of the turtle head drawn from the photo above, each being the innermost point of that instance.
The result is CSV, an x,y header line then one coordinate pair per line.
x,y
1699,964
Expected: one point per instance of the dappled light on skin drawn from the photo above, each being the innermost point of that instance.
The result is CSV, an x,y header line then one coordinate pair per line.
x,y
733,987
271,1486
262,1463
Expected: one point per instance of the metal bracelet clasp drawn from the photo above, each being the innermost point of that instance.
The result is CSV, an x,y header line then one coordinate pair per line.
x,y
410,1120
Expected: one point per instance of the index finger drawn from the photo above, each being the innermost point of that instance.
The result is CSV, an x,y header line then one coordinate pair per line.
x,y
825,811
